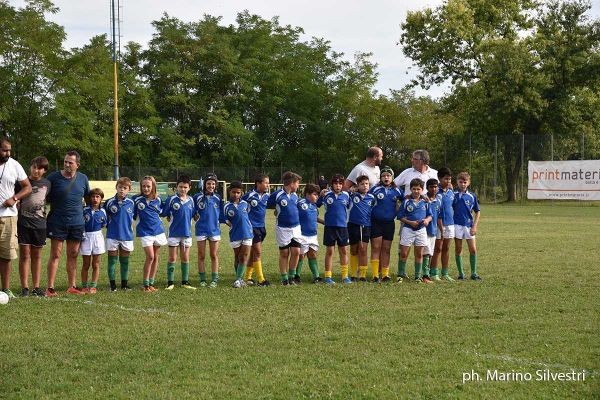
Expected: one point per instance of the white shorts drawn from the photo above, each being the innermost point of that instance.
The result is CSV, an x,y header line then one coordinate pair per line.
x,y
463,232
176,241
92,243
309,242
410,237
156,241
448,232
430,248
284,236
211,238
114,245
238,243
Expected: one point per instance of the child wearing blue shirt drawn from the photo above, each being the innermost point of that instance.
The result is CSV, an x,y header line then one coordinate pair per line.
x,y
433,230
415,215
119,232
235,214
208,207
466,218
257,198
359,227
92,245
308,214
446,233
337,202
150,230
179,210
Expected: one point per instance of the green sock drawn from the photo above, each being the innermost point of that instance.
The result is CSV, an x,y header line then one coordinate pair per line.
x,y
202,276
185,272
146,282
459,265
170,272
314,268
299,267
112,267
241,268
418,266
291,273
426,266
214,276
284,276
124,261
401,267
93,285
84,285
434,271
473,260
444,271
151,281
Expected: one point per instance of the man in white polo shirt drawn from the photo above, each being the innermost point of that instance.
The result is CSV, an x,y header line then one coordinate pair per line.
x,y
11,172
420,169
369,168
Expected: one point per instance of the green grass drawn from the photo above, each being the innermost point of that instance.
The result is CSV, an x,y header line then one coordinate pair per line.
x,y
536,309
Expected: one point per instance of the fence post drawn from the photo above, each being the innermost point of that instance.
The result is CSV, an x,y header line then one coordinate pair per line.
x,y
495,167
522,166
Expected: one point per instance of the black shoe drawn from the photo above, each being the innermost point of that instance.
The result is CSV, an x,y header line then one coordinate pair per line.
x,y
297,280
38,292
353,279
25,292
476,278
318,280
386,279
264,283
291,282
376,280
113,288
250,282
125,287
285,283
362,279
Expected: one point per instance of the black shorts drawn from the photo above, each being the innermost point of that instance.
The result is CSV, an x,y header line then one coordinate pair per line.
x,y
383,228
358,233
335,234
293,243
259,235
30,236
62,232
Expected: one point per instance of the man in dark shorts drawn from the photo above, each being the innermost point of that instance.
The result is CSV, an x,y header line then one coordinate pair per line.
x,y
65,220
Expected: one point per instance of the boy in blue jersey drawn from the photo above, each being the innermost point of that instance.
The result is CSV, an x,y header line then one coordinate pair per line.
x,y
208,207
179,210
287,228
359,226
92,245
466,218
308,215
235,215
446,233
337,202
433,229
257,198
388,198
415,215
148,207
119,232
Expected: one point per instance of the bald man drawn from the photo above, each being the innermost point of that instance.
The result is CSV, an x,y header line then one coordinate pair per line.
x,y
369,167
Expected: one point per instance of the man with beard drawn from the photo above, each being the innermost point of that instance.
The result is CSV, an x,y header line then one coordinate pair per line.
x,y
65,220
369,167
11,172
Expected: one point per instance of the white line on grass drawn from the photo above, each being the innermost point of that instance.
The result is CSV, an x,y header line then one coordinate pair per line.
x,y
530,362
121,307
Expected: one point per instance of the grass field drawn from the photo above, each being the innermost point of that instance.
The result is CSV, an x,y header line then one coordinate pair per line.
x,y
537,309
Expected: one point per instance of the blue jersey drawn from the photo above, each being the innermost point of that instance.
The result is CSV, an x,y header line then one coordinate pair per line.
x,y
435,206
237,215
336,208
66,199
360,208
95,220
308,214
120,218
386,199
208,208
414,210
287,208
148,212
181,213
447,206
464,205
258,207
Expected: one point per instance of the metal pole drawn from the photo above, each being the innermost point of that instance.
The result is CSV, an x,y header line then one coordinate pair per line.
x,y
495,167
582,146
114,12
522,166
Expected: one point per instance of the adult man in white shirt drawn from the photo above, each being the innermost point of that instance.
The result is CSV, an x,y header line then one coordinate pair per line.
x,y
420,169
11,172
369,167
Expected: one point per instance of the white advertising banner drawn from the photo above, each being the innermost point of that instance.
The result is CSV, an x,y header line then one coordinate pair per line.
x,y
564,180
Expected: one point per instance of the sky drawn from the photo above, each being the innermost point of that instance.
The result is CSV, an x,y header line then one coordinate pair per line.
x,y
350,26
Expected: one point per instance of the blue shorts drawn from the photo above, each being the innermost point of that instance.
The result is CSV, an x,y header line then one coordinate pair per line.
x,y
259,235
383,228
335,234
358,233
62,232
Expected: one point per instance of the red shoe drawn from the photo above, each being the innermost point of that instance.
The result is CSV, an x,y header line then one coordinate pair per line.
x,y
93,290
426,279
74,290
50,292
85,290
153,289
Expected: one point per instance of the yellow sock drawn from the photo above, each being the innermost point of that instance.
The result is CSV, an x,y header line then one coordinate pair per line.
x,y
363,271
385,271
344,271
375,268
259,272
353,265
328,274
248,273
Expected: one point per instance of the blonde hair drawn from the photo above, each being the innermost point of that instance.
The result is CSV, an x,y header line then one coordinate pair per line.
x,y
124,181
463,176
153,192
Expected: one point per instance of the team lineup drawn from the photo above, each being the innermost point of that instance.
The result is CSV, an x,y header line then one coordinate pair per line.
x,y
358,210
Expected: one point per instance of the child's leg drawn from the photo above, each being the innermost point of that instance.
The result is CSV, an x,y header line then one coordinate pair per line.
x,y
418,260
384,263
95,270
24,260
149,251
113,257
402,257
85,266
185,264
283,263
343,250
171,265
312,263
445,256
213,247
242,254
376,244
124,262
354,255
256,260
201,260
293,262
154,267
362,259
56,247
36,265
329,250
250,265
435,259
458,257
472,256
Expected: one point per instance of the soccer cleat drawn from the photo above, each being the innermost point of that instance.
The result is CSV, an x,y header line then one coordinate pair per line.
x,y
447,278
50,292
386,279
85,290
403,276
203,284
93,290
212,284
285,283
153,288
291,282
354,279
297,280
146,289
25,292
170,287
112,288
250,282
318,280
329,281
9,293
347,280
436,278
426,279
74,290
186,285
399,279
419,280
361,279
38,292
239,283
125,288
461,278
476,278
375,280
264,283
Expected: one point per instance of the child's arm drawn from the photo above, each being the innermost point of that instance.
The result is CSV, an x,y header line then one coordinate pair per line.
x,y
473,229
406,221
271,202
320,221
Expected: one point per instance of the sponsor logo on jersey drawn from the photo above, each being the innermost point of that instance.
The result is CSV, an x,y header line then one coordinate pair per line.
x,y
141,206
176,206
283,203
304,206
254,202
330,200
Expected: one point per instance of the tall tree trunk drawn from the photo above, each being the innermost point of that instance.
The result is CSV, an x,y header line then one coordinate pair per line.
x,y
512,166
